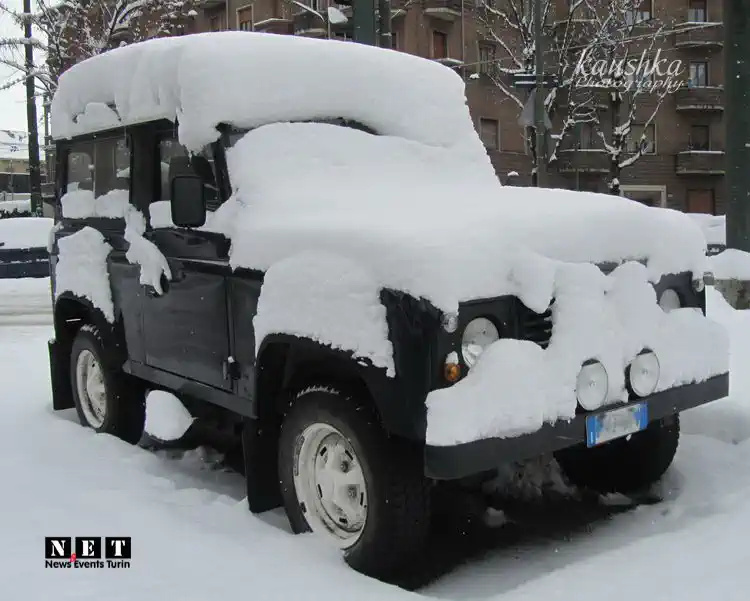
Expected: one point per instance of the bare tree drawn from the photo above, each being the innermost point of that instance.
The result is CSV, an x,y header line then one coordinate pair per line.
x,y
606,33
69,31
636,83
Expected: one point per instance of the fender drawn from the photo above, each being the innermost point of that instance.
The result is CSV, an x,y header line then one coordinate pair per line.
x,y
287,363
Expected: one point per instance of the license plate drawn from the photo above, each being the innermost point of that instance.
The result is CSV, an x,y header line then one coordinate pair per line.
x,y
616,424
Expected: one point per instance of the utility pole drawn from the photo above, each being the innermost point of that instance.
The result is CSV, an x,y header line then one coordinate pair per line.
x,y
384,11
364,27
539,124
737,121
35,179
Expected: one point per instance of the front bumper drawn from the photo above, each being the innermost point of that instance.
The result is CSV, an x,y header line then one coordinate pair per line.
x,y
459,461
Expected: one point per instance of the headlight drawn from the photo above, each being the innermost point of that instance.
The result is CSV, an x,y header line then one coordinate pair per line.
x,y
643,373
478,335
669,300
592,385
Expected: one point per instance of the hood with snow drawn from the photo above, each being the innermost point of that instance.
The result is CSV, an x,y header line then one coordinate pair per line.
x,y
426,220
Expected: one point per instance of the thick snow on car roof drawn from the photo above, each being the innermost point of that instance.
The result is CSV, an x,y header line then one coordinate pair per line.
x,y
250,79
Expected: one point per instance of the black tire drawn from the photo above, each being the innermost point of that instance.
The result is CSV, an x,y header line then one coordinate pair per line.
x,y
124,405
624,466
398,513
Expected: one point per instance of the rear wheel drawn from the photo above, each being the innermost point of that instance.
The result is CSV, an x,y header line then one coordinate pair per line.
x,y
344,478
106,399
626,465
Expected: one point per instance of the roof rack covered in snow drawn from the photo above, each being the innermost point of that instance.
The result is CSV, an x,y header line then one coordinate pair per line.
x,y
250,79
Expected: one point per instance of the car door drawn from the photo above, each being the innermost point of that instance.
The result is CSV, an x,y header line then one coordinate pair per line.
x,y
186,327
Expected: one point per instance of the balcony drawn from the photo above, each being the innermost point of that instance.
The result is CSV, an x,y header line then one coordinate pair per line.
x,y
583,161
700,35
700,162
309,24
445,10
209,4
571,31
700,99
279,26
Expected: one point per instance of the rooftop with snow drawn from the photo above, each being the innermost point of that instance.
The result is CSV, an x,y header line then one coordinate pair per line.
x,y
250,79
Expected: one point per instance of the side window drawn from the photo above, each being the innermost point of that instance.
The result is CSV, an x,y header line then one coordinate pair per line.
x,y
97,179
80,167
174,158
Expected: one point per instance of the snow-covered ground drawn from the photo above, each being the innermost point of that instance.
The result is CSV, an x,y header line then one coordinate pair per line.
x,y
193,538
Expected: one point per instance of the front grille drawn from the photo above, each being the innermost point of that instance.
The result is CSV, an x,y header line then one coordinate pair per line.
x,y
536,327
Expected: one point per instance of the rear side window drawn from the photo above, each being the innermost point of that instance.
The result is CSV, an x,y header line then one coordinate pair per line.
x,y
97,178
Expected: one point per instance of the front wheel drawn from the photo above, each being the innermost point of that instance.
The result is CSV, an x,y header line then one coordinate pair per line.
x,y
343,478
106,399
626,465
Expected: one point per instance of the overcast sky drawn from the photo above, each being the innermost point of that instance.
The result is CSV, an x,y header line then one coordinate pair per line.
x,y
12,102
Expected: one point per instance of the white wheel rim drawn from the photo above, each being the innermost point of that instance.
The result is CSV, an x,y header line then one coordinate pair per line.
x,y
330,484
92,391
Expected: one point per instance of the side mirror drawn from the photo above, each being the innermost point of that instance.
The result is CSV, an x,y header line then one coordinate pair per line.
x,y
188,201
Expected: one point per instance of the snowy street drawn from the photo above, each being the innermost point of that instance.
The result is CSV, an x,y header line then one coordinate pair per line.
x,y
194,539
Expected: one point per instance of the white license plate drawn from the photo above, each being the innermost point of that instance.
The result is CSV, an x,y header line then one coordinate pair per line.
x,y
616,424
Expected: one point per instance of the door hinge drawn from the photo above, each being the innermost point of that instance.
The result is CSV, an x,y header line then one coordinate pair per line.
x,y
231,369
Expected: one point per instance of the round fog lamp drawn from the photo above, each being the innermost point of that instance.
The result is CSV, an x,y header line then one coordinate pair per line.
x,y
669,300
643,373
478,335
592,385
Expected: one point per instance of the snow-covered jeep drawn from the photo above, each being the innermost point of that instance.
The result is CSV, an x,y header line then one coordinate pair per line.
x,y
304,242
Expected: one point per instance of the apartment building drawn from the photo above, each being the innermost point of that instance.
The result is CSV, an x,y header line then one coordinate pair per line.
x,y
682,165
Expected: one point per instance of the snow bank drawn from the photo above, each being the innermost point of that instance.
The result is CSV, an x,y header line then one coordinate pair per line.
x,y
329,299
167,418
82,269
517,386
437,225
196,79
731,264
25,232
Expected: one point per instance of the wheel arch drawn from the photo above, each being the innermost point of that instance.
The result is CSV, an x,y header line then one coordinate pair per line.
x,y
287,364
70,312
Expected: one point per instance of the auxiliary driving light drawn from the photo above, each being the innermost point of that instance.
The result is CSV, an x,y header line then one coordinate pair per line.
x,y
643,373
592,385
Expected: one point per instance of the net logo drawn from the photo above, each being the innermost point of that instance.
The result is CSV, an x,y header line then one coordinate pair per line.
x,y
87,551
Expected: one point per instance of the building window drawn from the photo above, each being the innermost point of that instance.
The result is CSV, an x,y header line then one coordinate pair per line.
x,y
637,132
698,75
697,12
214,23
245,19
587,138
317,5
489,133
640,14
394,40
701,201
439,44
700,137
487,58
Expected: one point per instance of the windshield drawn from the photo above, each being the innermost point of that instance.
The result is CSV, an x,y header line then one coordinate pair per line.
x,y
234,134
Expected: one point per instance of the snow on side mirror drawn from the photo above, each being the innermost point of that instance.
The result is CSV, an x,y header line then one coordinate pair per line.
x,y
188,201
